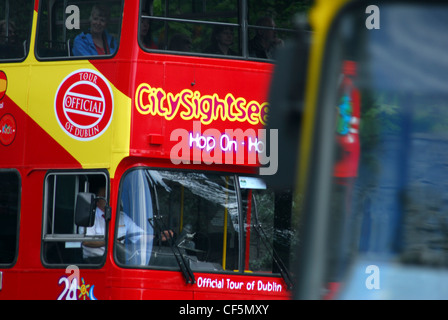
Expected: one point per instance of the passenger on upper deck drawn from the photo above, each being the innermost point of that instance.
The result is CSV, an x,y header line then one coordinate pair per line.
x,y
98,41
180,42
7,34
222,40
265,42
10,46
145,32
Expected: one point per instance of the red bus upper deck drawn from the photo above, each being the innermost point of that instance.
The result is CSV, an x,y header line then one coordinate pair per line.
x,y
129,165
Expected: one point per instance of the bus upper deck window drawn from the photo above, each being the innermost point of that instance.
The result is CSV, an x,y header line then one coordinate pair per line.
x,y
217,27
270,26
79,28
15,28
190,26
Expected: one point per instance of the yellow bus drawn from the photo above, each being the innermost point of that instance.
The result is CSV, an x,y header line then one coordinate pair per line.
x,y
361,109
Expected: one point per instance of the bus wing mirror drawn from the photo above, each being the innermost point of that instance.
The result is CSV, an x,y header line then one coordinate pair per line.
x,y
85,209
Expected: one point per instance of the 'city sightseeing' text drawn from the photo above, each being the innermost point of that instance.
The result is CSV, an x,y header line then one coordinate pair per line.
x,y
191,105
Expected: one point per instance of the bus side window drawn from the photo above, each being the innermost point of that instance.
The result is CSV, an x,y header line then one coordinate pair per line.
x,y
63,240
65,28
15,28
218,28
270,25
9,215
190,26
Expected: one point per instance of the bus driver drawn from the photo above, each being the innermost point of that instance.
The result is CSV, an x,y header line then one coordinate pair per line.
x,y
93,250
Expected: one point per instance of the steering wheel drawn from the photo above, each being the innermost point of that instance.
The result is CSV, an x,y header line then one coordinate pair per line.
x,y
186,234
126,253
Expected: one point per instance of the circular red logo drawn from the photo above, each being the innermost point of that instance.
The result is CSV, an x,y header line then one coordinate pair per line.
x,y
7,129
84,104
3,84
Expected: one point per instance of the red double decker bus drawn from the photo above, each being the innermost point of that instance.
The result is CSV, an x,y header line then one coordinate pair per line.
x,y
132,150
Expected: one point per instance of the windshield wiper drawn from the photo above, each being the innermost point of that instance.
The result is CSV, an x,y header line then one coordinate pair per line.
x,y
184,266
273,253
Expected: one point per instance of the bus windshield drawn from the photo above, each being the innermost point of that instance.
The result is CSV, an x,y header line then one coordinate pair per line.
x,y
161,205
196,215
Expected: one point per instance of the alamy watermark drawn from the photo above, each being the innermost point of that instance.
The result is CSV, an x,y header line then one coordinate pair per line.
x,y
373,20
73,19
373,280
233,146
